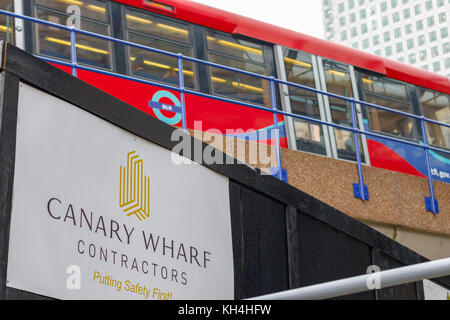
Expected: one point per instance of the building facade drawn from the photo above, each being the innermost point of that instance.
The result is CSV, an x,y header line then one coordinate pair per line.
x,y
415,32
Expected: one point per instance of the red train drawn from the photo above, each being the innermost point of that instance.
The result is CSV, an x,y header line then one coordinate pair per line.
x,y
199,31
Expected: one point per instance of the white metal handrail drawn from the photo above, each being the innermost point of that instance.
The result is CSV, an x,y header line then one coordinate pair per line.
x,y
367,282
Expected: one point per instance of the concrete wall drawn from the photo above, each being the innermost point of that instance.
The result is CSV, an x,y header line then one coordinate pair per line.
x,y
396,206
430,245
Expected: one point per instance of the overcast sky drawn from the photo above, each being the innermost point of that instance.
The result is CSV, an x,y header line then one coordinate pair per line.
x,y
304,16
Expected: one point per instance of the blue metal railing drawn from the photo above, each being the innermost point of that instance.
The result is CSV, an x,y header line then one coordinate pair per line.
x,y
360,189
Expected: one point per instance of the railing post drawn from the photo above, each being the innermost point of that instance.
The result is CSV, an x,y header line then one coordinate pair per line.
x,y
360,190
431,203
8,24
73,51
181,85
273,97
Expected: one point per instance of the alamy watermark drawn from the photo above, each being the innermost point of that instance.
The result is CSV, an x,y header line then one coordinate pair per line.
x,y
250,146
374,279
73,281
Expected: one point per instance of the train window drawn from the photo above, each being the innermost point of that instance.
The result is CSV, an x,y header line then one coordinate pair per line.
x,y
90,9
391,94
54,42
239,54
155,32
299,69
6,22
157,27
436,106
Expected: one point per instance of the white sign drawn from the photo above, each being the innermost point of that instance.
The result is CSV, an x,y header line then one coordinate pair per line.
x,y
99,213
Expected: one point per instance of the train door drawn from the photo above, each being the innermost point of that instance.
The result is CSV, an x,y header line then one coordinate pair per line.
x,y
11,29
301,68
339,78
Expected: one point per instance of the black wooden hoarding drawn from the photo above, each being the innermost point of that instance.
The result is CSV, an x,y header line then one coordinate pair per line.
x,y
282,237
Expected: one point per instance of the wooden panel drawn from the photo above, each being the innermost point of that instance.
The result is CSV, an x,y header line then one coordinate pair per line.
x,y
404,292
326,254
263,254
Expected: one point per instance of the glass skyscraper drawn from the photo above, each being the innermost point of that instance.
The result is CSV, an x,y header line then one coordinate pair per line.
x,y
414,32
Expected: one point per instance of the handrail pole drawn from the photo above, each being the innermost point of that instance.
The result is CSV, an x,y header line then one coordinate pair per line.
x,y
73,51
273,99
432,207
357,151
182,90
367,282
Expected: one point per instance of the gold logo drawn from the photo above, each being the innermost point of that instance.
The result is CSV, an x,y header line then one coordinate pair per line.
x,y
134,198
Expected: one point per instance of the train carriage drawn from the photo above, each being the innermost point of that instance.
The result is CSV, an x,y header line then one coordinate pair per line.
x,y
144,79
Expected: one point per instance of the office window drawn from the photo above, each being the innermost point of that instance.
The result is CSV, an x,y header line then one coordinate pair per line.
x,y
444,32
436,106
55,42
396,17
421,40
364,28
299,69
342,21
363,13
419,25
374,24
391,94
344,35
397,32
434,51
447,63
394,3
436,66
423,55
385,21
341,7
388,51
442,17
406,13
387,36
432,36
440,3
383,6
430,21
353,32
428,5
365,43
352,17
446,47
351,4
376,40
399,47
408,29
417,9
410,43
412,58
